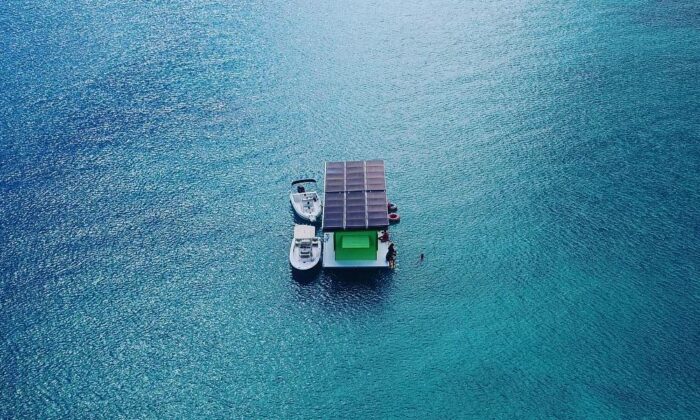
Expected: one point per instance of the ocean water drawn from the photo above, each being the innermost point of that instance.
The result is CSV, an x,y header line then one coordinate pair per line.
x,y
545,156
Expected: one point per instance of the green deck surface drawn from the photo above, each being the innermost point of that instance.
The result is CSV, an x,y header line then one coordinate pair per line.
x,y
356,245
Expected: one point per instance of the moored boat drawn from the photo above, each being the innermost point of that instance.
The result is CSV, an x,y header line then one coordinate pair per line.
x,y
306,203
305,251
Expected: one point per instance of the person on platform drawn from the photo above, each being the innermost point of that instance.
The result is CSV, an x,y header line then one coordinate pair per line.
x,y
391,256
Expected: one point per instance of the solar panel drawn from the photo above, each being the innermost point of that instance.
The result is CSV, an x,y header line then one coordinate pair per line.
x,y
333,212
355,195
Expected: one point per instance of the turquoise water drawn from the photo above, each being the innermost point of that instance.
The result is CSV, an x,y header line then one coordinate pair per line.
x,y
545,157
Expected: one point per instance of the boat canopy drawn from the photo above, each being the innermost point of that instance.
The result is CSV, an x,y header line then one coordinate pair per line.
x,y
304,232
355,196
303,181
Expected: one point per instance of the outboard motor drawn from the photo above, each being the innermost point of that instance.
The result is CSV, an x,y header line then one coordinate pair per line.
x,y
301,189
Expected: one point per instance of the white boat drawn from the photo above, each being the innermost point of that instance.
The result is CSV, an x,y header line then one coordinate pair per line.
x,y
305,252
306,204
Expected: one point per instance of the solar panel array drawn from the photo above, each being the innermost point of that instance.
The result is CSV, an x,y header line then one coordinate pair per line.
x,y
355,195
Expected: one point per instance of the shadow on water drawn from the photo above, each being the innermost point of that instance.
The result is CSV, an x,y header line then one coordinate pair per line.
x,y
304,278
342,281
371,279
344,289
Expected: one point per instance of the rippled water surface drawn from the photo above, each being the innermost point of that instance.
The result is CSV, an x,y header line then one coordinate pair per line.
x,y
545,157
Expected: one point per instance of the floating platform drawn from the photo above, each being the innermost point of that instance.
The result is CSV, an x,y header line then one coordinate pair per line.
x,y
355,213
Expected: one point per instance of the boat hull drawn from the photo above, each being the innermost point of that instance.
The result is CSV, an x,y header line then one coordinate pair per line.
x,y
305,206
304,264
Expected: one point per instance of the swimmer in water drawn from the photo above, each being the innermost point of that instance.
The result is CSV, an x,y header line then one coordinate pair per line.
x,y
422,257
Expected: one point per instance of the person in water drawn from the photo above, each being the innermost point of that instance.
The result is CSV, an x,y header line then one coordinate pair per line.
x,y
422,257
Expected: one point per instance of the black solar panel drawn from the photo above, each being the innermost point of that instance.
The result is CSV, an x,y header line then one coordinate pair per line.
x,y
334,211
355,195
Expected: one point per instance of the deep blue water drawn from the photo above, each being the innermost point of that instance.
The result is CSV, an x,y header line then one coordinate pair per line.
x,y
544,155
